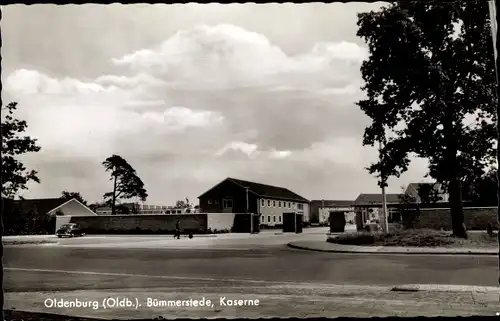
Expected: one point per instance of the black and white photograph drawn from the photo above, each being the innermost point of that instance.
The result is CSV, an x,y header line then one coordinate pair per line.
x,y
250,160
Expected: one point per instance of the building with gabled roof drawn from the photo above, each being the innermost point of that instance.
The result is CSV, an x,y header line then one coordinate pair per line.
x,y
239,196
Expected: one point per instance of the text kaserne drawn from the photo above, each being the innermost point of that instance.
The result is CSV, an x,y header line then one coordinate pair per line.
x,y
226,302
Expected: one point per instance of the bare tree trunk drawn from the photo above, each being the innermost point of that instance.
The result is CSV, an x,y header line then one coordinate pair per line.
x,y
113,202
453,170
456,208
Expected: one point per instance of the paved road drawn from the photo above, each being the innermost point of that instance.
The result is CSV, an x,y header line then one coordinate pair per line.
x,y
285,280
272,263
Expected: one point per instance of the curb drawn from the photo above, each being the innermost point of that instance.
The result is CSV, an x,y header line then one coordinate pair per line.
x,y
408,252
444,288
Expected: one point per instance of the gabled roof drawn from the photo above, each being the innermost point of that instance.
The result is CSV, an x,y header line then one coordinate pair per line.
x,y
263,190
436,186
376,199
42,205
332,203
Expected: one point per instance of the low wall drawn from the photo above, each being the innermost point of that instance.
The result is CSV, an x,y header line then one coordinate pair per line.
x,y
160,223
220,221
475,218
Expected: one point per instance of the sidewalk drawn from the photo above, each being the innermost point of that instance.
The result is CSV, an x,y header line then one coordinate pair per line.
x,y
323,246
274,301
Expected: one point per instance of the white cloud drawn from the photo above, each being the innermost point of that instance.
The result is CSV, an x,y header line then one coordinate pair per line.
x,y
31,82
279,154
224,56
182,117
251,150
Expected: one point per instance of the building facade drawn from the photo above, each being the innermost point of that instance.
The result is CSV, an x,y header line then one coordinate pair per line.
x,y
147,209
321,209
368,208
239,196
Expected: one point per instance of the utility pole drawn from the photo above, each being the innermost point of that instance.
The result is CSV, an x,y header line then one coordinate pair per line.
x,y
495,21
384,198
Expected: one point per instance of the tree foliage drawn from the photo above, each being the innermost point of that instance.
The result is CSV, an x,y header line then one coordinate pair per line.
x,y
482,191
429,193
186,204
15,175
126,182
65,195
430,87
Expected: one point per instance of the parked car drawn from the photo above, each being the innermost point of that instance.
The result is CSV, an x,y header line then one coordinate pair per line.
x,y
69,230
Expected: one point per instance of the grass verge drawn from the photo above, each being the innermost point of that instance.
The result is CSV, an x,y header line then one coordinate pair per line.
x,y
417,238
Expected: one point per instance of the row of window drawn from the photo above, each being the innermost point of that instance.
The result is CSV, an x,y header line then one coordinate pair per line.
x,y
226,203
263,219
280,204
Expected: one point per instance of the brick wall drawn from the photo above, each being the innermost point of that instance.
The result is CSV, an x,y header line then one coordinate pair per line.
x,y
129,223
475,218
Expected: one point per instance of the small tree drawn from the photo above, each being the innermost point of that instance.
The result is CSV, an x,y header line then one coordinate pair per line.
x,y
126,182
409,210
70,195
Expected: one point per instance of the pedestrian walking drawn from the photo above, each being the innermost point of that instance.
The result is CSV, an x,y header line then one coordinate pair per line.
x,y
177,230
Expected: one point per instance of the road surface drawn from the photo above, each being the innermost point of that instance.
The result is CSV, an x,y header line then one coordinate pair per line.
x,y
272,272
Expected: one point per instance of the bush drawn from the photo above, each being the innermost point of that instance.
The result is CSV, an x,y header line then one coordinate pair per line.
x,y
353,239
412,238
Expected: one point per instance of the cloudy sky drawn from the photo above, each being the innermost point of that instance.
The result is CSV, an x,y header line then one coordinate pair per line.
x,y
191,94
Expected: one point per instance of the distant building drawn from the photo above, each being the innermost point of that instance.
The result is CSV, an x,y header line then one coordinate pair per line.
x,y
368,208
321,209
146,209
49,206
435,188
238,196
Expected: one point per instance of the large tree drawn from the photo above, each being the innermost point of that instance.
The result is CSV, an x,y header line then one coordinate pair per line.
x,y
430,87
126,183
65,195
15,175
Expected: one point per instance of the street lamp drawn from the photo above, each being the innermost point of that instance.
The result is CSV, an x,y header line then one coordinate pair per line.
x,y
384,197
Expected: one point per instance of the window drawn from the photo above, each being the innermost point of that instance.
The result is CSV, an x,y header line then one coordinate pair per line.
x,y
274,218
300,206
216,202
262,203
293,205
279,218
209,201
227,203
274,203
289,205
268,219
269,203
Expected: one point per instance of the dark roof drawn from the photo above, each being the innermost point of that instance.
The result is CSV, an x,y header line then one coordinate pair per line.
x,y
263,190
376,199
332,203
42,205
436,186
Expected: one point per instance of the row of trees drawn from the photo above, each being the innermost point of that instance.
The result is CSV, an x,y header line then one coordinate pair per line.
x,y
430,70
